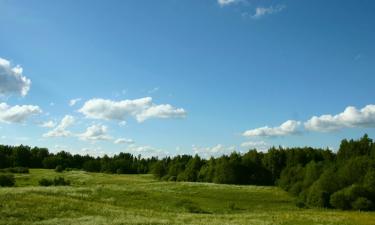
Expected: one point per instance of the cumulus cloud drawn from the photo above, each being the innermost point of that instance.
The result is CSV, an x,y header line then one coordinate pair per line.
x,y
262,11
227,2
12,81
351,117
48,124
17,113
72,102
215,151
123,141
146,151
287,128
61,129
258,145
161,111
95,133
141,109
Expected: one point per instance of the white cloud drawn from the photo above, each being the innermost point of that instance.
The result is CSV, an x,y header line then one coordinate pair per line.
x,y
141,109
123,141
48,124
161,111
287,128
12,81
227,2
17,113
95,133
60,130
262,11
72,102
114,110
351,117
215,151
258,145
122,123
146,151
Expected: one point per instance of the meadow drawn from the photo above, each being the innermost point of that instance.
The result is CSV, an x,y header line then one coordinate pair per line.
x,y
98,198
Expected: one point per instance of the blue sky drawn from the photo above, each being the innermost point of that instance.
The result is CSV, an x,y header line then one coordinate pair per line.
x,y
195,76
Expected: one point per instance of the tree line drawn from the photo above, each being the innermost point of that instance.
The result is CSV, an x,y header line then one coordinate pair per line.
x,y
318,177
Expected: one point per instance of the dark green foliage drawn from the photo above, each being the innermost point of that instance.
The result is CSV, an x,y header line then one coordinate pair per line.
x,y
363,204
57,181
7,180
191,207
346,183
345,198
15,170
59,169
45,182
60,181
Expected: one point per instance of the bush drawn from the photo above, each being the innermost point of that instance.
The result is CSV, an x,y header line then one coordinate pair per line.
x,y
346,198
362,203
59,169
317,196
7,180
60,181
57,181
45,182
15,170
340,200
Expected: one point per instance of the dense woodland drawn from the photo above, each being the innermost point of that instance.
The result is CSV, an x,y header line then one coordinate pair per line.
x,y
318,177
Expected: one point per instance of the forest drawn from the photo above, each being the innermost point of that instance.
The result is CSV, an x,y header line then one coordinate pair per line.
x,y
317,177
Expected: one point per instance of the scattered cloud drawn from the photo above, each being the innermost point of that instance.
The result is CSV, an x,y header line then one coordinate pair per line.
x,y
72,102
263,11
146,151
161,111
258,145
12,81
350,118
123,141
17,113
155,89
48,124
122,123
95,133
141,109
61,129
287,128
228,2
215,151
114,110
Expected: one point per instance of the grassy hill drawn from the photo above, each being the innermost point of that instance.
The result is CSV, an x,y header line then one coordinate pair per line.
x,y
95,198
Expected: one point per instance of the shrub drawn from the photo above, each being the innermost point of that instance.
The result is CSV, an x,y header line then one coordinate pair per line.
x,y
45,182
172,178
60,181
345,198
7,180
317,196
57,181
15,170
59,169
362,203
340,200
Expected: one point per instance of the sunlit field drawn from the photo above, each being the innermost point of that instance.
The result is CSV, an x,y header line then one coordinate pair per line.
x,y
95,198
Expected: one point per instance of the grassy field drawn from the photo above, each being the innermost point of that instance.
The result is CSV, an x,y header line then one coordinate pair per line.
x,y
95,198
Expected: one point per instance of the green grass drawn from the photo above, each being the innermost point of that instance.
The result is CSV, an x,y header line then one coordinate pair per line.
x,y
95,198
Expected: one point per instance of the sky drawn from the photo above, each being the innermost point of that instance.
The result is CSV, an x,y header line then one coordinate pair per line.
x,y
169,77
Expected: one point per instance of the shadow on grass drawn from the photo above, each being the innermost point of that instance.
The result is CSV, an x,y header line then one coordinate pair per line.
x,y
191,207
